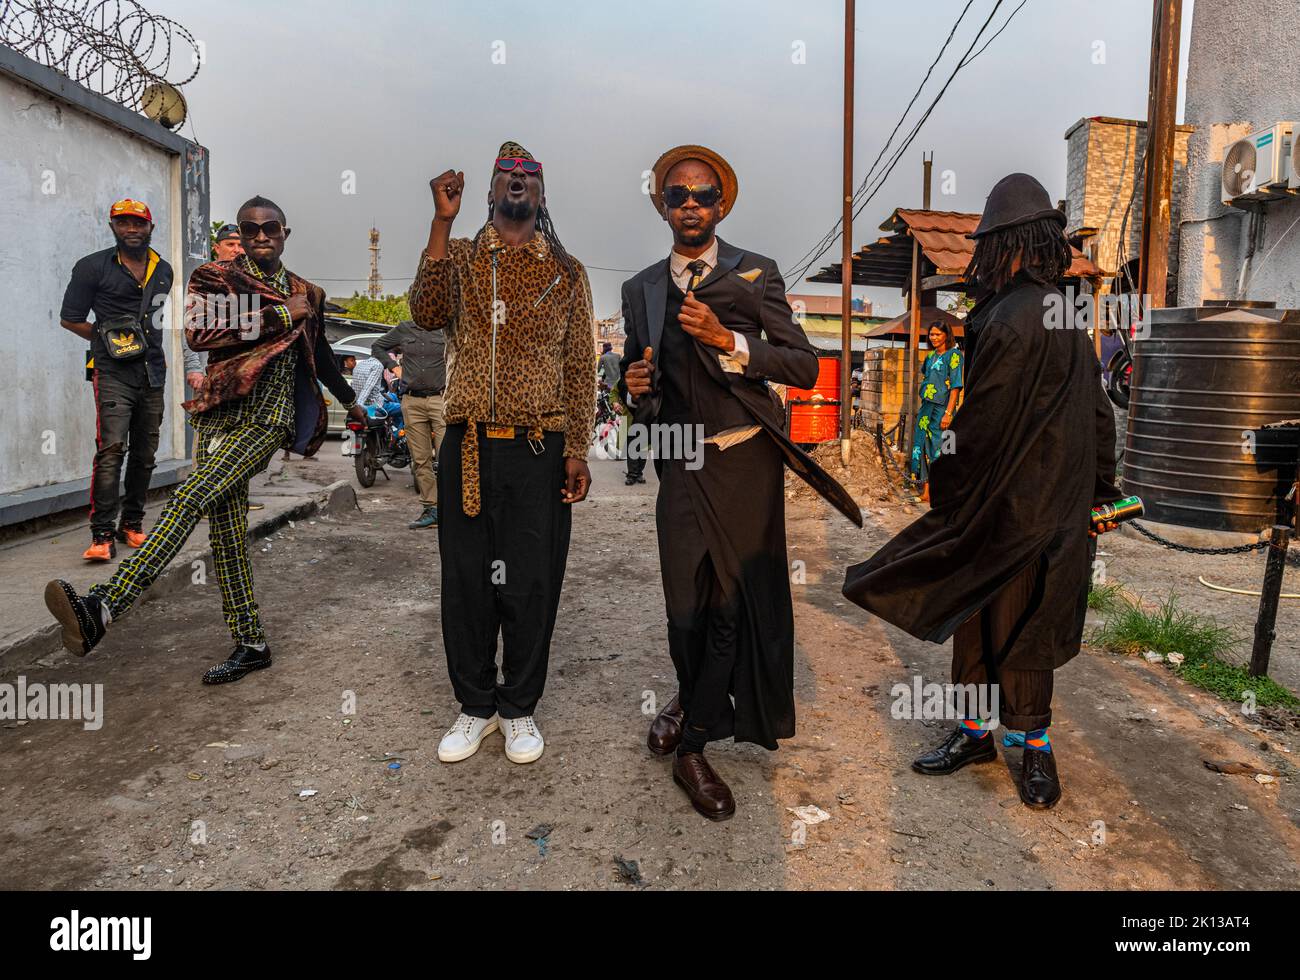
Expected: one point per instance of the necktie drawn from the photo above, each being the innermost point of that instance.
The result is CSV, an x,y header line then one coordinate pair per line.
x,y
697,273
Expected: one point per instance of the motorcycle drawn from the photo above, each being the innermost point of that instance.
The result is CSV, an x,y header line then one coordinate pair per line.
x,y
1119,372
380,441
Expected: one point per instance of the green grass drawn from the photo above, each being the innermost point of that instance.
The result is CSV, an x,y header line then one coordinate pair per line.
x,y
1104,598
1131,630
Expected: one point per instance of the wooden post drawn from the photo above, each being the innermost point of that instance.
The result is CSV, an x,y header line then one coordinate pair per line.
x,y
1268,599
846,259
1162,104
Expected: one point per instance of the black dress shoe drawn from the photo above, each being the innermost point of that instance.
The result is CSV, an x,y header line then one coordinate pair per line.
x,y
666,730
243,661
80,616
955,751
1039,786
629,481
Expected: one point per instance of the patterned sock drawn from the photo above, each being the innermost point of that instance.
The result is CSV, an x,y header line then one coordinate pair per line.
x,y
974,728
1038,740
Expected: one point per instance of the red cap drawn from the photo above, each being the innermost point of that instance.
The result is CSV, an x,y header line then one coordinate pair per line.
x,y
127,207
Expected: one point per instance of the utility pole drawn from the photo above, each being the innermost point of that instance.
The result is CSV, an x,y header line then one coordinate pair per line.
x,y
846,255
375,288
1162,106
914,328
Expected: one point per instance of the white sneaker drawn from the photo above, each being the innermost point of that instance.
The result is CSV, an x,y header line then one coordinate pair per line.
x,y
463,738
523,739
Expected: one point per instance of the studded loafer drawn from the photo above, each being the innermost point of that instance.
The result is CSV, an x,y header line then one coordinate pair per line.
x,y
243,661
80,616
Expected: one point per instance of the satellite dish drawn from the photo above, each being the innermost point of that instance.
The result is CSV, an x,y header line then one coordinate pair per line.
x,y
164,104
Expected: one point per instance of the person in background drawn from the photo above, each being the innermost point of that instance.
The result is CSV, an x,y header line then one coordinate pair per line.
x,y
368,382
610,372
422,371
122,286
941,380
227,247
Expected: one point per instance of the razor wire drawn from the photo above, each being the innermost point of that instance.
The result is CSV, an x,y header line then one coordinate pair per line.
x,y
114,47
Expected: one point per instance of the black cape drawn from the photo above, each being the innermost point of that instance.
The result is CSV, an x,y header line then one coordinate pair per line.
x,y
1033,449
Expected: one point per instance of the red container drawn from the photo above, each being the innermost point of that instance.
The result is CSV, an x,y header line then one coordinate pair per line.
x,y
815,412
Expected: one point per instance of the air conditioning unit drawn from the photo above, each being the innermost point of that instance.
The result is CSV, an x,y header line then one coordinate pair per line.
x,y
1258,167
1293,180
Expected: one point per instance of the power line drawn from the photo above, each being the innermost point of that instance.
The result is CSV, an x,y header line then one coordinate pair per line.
x,y
880,180
823,243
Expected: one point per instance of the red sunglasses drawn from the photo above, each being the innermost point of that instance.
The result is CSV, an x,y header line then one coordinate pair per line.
x,y
507,164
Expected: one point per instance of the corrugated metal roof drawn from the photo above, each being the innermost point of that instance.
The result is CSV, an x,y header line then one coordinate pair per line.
x,y
942,237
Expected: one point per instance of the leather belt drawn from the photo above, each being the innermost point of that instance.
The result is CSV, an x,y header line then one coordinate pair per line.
x,y
425,392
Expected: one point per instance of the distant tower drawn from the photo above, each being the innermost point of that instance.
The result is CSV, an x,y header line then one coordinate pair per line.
x,y
376,288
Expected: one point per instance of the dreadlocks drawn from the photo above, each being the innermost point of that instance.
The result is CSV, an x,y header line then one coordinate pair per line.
x,y
1044,252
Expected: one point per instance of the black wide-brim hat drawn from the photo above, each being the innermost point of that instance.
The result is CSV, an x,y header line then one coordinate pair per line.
x,y
1016,199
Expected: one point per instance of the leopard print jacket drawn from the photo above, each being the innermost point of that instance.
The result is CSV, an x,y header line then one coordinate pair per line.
x,y
543,373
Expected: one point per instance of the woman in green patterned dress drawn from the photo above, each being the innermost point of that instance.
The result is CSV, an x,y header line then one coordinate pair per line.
x,y
941,379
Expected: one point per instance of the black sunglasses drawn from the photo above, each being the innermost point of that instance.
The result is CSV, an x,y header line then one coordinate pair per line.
x,y
251,229
706,195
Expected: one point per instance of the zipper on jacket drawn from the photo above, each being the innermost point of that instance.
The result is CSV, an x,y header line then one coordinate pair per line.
x,y
554,282
492,368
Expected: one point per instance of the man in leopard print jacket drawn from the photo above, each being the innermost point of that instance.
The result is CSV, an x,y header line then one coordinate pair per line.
x,y
520,404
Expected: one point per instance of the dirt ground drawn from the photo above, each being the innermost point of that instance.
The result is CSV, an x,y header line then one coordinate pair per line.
x,y
189,787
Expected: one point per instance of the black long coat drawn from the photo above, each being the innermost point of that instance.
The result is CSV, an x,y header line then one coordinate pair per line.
x,y
1033,449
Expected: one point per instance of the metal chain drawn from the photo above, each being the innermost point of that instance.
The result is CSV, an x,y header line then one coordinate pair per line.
x,y
1240,549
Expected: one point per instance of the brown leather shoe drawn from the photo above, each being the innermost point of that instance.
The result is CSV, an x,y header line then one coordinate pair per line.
x,y
710,796
666,730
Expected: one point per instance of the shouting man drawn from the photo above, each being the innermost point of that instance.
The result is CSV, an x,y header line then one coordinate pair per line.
x,y
708,328
263,328
519,408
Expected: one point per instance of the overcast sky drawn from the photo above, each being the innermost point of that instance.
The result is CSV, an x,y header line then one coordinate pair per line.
x,y
295,93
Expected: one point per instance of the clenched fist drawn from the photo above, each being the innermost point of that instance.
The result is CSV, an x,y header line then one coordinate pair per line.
x,y
447,188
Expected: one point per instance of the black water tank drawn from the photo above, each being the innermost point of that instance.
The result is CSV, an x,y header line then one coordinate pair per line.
x,y
1206,380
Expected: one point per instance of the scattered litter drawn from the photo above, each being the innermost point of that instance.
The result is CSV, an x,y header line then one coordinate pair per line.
x,y
426,711
1154,658
541,831
628,871
222,745
1265,778
196,776
394,765
1176,659
810,814
306,793
1230,768
1240,806
291,524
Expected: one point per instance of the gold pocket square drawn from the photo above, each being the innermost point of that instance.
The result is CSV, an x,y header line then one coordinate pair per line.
x,y
751,275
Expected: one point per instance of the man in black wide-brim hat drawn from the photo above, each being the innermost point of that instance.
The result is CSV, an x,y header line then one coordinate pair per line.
x,y
1001,562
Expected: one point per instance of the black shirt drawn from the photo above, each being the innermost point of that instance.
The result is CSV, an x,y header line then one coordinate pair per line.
x,y
424,355
100,284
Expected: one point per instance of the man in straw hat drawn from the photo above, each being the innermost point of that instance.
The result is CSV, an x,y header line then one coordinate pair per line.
x,y
1001,563
708,330
519,406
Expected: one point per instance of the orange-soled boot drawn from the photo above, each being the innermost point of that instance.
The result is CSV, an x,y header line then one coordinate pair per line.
x,y
101,549
132,536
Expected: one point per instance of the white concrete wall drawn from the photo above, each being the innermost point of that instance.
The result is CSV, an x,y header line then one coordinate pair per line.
x,y
47,145
1243,74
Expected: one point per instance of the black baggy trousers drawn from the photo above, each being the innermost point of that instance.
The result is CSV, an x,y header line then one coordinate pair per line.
x,y
502,569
